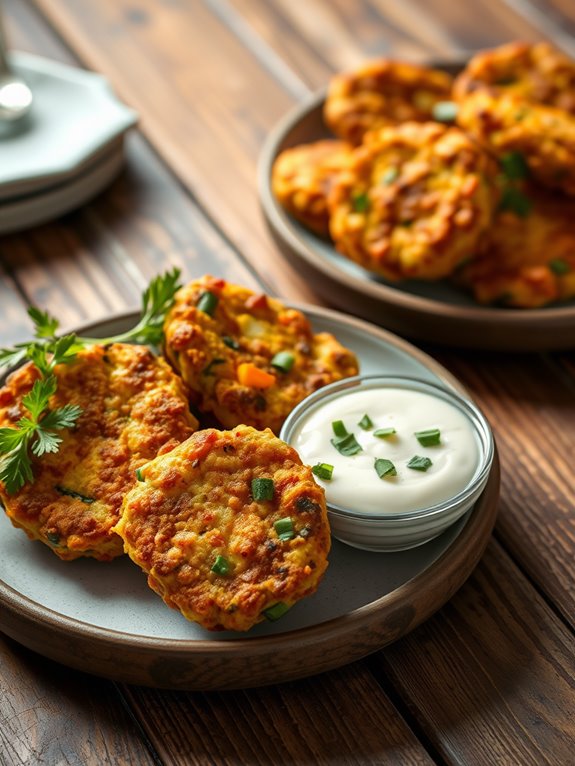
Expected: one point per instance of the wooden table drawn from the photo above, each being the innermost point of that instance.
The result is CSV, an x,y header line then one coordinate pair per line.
x,y
490,679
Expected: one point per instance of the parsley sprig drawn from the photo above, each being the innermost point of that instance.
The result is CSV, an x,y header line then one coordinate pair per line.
x,y
36,434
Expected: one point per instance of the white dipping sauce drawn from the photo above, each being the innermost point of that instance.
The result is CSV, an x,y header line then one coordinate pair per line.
x,y
355,484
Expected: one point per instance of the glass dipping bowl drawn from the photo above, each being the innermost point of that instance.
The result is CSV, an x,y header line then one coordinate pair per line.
x,y
389,530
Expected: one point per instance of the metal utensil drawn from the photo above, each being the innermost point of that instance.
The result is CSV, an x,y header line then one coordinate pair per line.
x,y
15,96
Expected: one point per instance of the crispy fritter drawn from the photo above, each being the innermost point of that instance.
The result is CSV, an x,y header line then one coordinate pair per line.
x,y
210,547
225,340
133,408
544,135
537,72
415,202
382,92
530,261
302,178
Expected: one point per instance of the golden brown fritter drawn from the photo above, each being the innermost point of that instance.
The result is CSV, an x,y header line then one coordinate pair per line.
x,y
303,176
535,72
133,408
382,92
415,202
530,261
246,357
226,552
545,136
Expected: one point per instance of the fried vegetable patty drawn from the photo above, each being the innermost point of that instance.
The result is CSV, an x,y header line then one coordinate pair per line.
x,y
530,260
246,357
537,72
382,92
415,202
133,408
303,176
230,528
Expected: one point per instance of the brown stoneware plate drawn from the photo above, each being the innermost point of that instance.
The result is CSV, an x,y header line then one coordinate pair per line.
x,y
429,311
102,617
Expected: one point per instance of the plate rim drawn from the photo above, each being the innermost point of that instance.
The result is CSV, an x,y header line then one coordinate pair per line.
x,y
281,226
21,615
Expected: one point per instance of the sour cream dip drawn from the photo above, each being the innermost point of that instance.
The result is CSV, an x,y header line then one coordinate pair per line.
x,y
397,414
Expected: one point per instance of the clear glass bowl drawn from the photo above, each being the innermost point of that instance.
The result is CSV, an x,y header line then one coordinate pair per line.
x,y
394,531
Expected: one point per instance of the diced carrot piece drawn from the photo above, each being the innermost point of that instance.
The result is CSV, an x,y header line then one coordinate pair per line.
x,y
252,376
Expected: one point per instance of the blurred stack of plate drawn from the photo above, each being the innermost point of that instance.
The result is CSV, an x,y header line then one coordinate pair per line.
x,y
66,150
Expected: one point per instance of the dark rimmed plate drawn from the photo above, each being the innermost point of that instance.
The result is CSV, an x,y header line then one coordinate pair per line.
x,y
436,312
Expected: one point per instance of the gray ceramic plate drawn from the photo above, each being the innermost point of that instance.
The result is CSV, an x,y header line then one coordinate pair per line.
x,y
102,618
436,312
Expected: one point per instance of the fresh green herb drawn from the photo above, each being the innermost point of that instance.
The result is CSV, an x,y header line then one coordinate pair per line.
x,y
338,428
516,201
360,203
431,437
283,360
445,111
346,445
53,538
209,368
221,566
231,342
389,176
36,433
323,471
276,611
284,528
262,489
74,494
207,303
559,267
365,423
418,463
384,467
139,474
514,166
385,433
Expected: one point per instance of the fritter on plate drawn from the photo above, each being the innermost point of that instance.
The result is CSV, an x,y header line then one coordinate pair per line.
x,y
535,72
230,528
303,176
415,202
133,408
382,92
246,357
530,261
544,135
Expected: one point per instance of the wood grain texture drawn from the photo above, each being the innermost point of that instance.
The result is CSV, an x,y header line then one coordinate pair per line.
x,y
495,660
68,718
350,721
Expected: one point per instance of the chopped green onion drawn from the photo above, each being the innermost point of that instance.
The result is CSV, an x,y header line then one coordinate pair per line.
x,y
444,111
209,368
323,471
559,267
263,489
276,611
283,360
221,566
284,528
418,463
365,423
207,303
385,433
231,342
74,494
384,467
338,428
514,200
514,166
139,474
347,445
389,176
428,438
360,203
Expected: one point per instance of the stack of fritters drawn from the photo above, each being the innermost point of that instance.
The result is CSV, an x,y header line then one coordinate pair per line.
x,y
411,198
